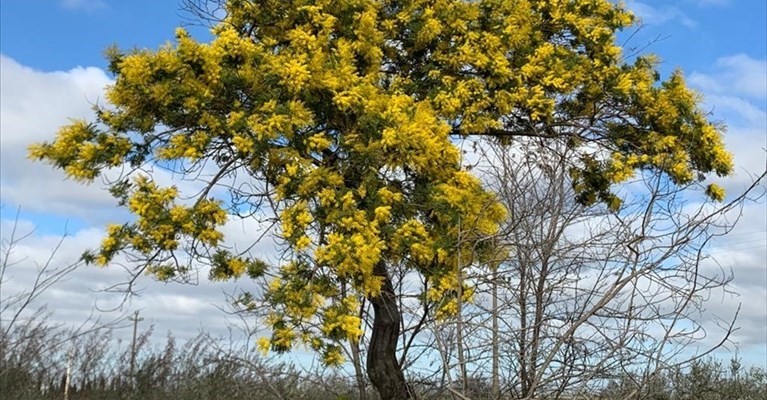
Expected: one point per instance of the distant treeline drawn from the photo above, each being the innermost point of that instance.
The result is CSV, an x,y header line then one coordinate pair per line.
x,y
39,361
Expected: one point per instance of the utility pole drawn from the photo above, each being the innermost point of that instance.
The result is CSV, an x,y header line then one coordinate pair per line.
x,y
135,319
68,379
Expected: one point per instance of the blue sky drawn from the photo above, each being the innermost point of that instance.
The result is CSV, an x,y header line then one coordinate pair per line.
x,y
59,35
62,34
52,68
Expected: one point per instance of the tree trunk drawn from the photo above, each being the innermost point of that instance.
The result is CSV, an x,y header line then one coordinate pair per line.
x,y
459,318
359,374
496,385
384,370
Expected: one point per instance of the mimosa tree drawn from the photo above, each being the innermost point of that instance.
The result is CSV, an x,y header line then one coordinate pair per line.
x,y
341,115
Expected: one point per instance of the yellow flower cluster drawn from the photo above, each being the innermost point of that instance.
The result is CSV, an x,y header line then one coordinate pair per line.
x,y
161,223
444,293
82,151
342,321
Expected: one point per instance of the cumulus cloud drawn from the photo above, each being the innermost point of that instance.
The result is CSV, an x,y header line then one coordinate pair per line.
x,y
183,309
736,75
33,104
735,89
652,15
741,255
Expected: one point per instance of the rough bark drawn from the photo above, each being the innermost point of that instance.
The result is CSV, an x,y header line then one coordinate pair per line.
x,y
384,370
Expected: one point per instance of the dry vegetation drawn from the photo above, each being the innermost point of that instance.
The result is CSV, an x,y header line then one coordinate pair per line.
x,y
208,368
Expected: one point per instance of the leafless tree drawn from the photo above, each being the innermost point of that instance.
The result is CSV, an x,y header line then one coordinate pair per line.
x,y
27,333
581,295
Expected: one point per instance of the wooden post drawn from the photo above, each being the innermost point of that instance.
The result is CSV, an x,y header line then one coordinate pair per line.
x,y
135,320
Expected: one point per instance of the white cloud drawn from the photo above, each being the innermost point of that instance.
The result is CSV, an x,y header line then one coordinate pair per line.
x,y
749,149
34,101
738,75
33,104
735,88
184,309
737,110
652,15
742,254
